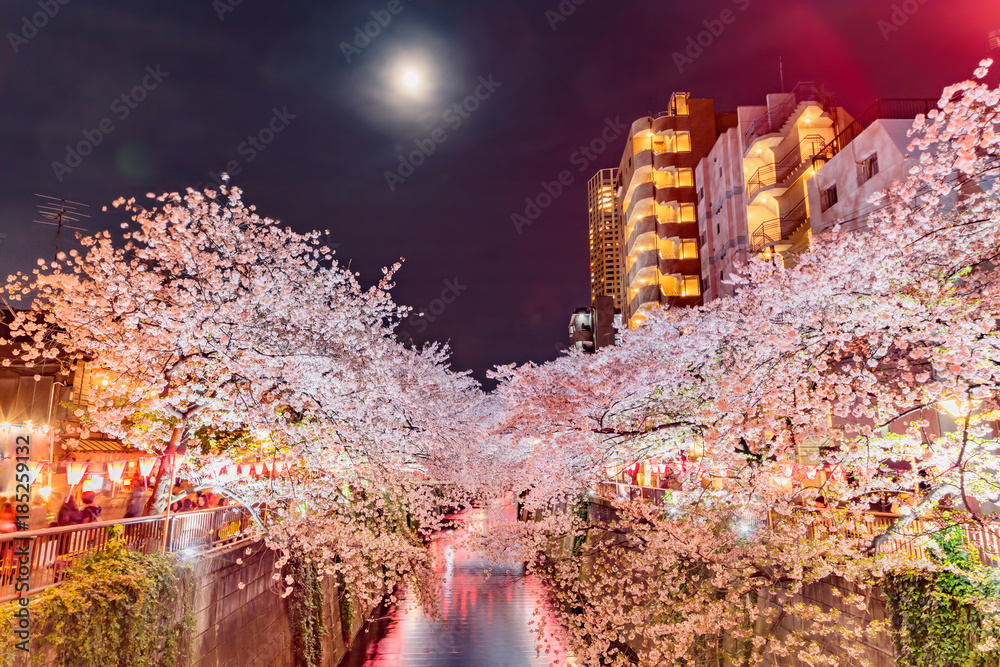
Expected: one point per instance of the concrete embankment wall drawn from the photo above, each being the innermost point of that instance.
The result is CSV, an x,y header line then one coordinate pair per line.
x,y
238,626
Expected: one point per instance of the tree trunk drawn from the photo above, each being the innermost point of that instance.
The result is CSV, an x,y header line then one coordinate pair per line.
x,y
162,488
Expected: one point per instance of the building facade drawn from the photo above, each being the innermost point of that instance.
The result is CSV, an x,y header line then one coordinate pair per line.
x,y
753,197
656,200
722,214
866,157
605,237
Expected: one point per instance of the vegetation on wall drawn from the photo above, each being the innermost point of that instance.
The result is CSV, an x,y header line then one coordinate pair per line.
x,y
305,607
116,608
937,617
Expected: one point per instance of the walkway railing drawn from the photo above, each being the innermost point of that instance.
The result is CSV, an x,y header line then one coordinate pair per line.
x,y
984,538
52,551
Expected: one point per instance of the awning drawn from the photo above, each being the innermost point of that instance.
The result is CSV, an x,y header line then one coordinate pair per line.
x,y
104,450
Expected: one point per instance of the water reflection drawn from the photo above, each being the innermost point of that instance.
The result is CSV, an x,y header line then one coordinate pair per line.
x,y
484,624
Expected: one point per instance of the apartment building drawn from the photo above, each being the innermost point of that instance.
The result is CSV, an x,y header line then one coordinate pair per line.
x,y
722,214
656,200
866,157
605,237
752,184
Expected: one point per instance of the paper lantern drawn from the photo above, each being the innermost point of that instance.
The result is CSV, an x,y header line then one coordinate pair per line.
x,y
269,466
259,468
115,470
75,471
179,457
146,465
281,467
34,467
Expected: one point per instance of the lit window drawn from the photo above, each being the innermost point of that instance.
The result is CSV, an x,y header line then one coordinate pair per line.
x,y
692,286
688,213
689,249
683,142
685,178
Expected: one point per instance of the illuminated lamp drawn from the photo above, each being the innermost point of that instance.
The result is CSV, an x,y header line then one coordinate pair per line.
x,y
269,466
46,491
34,467
808,120
258,467
759,151
88,485
115,470
179,457
146,465
75,471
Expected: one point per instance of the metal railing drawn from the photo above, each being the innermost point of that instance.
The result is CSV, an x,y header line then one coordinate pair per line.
x,y
774,119
984,538
773,231
771,175
52,551
892,109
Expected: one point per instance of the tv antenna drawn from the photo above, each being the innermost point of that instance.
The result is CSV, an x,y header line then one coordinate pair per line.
x,y
60,213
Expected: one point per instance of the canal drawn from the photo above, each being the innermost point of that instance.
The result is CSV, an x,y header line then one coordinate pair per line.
x,y
485,620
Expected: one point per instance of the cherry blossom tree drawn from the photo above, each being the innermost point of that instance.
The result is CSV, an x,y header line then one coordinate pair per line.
x,y
785,414
250,344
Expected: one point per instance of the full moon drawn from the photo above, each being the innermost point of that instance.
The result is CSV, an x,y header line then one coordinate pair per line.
x,y
411,79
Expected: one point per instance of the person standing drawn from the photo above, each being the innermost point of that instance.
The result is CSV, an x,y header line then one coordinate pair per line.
x,y
136,503
69,513
90,513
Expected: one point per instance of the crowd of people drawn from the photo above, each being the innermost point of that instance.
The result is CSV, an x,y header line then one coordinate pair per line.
x,y
93,507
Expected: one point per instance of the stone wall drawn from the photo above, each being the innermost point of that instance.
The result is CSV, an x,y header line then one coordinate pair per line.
x,y
251,626
247,626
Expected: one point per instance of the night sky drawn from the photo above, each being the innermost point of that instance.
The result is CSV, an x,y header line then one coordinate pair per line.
x,y
553,81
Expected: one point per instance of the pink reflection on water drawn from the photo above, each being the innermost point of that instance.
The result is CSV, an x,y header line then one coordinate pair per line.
x,y
485,622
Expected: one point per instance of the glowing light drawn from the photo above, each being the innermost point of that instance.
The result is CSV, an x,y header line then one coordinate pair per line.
x,y
411,79
34,467
88,485
115,470
146,465
46,491
759,151
952,406
75,471
259,468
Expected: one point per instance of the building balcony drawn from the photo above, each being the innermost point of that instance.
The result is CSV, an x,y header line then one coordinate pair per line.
x,y
646,294
646,262
777,232
646,225
777,120
775,178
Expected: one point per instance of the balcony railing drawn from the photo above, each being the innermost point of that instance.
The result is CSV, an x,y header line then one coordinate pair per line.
x,y
895,109
645,294
773,120
643,260
643,225
771,175
52,551
863,528
778,229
